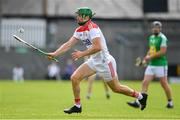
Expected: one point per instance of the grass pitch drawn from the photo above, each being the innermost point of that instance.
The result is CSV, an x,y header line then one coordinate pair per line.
x,y
47,99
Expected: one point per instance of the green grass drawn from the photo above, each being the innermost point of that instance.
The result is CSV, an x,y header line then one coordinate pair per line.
x,y
47,99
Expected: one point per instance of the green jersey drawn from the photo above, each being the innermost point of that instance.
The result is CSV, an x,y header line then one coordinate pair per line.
x,y
155,44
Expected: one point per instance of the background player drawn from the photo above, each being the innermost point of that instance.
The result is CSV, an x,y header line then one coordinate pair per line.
x,y
157,63
90,84
100,61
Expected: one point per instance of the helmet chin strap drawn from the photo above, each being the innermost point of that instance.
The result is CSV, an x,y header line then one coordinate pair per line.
x,y
84,22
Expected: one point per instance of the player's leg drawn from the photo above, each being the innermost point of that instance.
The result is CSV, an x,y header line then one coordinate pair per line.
x,y
167,89
162,75
81,72
90,83
106,90
110,76
148,77
116,87
21,79
123,89
145,83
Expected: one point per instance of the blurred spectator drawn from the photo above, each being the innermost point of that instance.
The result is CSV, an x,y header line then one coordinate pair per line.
x,y
70,68
18,73
53,72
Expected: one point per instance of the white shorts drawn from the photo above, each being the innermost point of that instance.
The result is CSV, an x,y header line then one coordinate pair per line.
x,y
105,69
157,71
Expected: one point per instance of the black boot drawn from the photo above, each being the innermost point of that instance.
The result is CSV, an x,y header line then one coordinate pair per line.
x,y
143,101
134,104
73,109
108,96
169,106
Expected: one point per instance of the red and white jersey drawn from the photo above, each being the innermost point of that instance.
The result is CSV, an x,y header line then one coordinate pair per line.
x,y
87,33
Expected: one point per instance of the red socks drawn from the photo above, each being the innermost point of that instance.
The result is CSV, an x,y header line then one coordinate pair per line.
x,y
77,101
135,94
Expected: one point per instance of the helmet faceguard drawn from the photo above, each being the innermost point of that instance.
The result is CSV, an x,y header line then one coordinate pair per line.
x,y
156,27
157,24
83,12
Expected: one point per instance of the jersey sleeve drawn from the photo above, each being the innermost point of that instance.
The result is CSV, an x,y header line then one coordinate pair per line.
x,y
94,33
76,35
164,41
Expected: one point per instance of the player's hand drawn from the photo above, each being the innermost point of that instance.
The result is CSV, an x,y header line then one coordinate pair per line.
x,y
147,58
50,56
76,55
144,63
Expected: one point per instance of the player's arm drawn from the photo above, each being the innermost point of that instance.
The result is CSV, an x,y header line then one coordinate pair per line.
x,y
96,47
64,47
158,54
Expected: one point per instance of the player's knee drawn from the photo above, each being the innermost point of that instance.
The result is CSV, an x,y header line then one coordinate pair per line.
x,y
164,84
74,78
116,90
